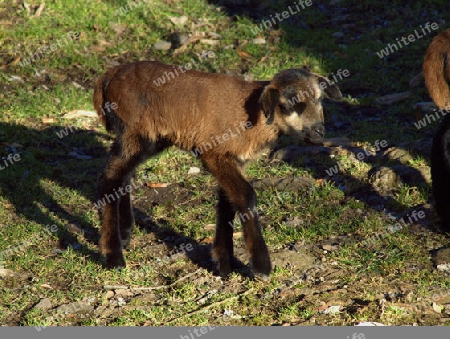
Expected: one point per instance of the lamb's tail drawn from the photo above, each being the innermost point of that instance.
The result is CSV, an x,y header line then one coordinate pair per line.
x,y
101,103
436,69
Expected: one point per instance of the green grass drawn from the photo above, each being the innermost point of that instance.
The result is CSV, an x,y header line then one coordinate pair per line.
x,y
48,186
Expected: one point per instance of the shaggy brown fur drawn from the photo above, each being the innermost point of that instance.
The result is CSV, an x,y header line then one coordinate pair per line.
x,y
194,111
436,69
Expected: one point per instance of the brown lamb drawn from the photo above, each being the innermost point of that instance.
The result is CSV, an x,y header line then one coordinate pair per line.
x,y
224,120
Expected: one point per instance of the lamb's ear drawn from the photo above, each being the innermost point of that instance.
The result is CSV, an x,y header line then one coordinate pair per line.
x,y
269,101
330,89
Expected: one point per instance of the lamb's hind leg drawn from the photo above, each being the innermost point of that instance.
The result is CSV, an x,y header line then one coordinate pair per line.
x,y
116,213
126,215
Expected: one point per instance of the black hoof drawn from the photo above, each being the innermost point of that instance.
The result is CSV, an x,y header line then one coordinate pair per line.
x,y
261,266
224,268
115,261
125,242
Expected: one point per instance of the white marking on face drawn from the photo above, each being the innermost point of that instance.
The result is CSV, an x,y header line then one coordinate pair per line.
x,y
294,120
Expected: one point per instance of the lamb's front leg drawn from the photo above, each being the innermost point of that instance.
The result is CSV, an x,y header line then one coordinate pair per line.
x,y
243,197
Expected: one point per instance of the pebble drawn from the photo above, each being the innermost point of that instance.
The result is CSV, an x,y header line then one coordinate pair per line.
x,y
44,304
194,170
179,21
162,45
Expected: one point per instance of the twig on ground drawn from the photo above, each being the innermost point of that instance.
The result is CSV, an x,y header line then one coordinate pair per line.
x,y
208,307
141,289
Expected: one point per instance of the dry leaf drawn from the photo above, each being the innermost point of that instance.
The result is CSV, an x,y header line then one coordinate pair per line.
x,y
98,49
4,272
209,227
48,120
105,43
264,58
79,113
119,28
208,240
12,63
27,7
237,235
39,10
437,308
277,32
322,308
47,286
345,142
209,42
77,85
16,78
213,35
83,36
157,184
391,98
242,54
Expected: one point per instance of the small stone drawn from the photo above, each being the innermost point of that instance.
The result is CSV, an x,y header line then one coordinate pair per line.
x,y
259,41
447,309
228,313
442,259
437,308
162,45
109,294
194,170
124,292
184,39
332,310
74,307
398,154
121,301
179,21
384,177
392,98
443,267
338,35
329,247
44,304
